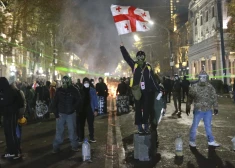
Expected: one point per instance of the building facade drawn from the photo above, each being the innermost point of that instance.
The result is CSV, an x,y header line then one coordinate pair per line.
x,y
180,36
205,50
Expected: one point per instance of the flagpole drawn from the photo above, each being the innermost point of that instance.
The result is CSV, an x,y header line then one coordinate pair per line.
x,y
121,38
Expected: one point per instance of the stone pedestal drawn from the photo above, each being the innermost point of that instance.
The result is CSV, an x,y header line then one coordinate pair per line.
x,y
142,145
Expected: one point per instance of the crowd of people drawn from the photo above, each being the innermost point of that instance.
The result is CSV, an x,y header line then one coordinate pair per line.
x,y
74,104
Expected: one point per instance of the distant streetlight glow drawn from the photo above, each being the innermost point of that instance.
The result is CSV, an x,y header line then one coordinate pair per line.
x,y
136,37
151,22
40,70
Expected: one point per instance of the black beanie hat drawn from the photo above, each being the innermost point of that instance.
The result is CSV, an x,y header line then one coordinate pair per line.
x,y
139,53
85,80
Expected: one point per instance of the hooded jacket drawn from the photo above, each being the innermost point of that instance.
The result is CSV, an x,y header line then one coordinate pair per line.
x,y
66,101
102,89
9,98
91,97
203,96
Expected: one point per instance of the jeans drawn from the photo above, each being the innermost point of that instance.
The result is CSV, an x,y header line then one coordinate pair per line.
x,y
207,118
70,121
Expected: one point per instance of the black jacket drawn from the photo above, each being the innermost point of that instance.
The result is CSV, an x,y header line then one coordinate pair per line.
x,y
66,101
122,88
185,84
42,93
9,99
102,89
167,85
148,77
177,86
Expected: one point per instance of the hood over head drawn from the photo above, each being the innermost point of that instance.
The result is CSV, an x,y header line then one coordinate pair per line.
x,y
4,84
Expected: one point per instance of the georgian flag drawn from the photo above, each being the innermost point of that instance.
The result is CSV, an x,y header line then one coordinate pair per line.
x,y
130,19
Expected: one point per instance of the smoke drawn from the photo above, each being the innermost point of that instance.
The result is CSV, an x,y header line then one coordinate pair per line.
x,y
98,41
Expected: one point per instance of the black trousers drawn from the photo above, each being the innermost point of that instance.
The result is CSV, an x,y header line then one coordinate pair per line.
x,y
86,115
146,104
12,141
185,92
168,96
177,100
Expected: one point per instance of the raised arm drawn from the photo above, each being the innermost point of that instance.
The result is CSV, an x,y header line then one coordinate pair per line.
x,y
126,57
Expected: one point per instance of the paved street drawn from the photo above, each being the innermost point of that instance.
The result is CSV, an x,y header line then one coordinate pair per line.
x,y
114,147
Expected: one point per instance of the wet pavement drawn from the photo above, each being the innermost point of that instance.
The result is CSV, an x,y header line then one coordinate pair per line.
x,y
223,127
114,147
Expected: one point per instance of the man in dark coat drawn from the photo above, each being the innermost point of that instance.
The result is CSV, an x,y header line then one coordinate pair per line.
x,y
185,86
79,84
177,85
122,88
143,78
168,88
102,92
89,110
65,104
10,103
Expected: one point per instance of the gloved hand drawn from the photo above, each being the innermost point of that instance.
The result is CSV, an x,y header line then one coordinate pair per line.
x,y
188,110
216,111
159,96
164,112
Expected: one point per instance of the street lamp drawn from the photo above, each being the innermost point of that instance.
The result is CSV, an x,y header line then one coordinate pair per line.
x,y
151,22
136,37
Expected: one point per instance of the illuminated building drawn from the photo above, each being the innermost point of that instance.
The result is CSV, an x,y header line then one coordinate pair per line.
x,y
205,51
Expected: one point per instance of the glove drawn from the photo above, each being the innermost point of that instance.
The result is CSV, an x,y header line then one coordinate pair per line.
x,y
159,96
216,111
188,110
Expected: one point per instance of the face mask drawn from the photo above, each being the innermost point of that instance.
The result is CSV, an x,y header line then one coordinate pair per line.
x,y
203,78
140,58
86,85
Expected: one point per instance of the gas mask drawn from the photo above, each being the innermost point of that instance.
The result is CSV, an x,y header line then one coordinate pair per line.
x,y
86,85
140,56
66,82
203,78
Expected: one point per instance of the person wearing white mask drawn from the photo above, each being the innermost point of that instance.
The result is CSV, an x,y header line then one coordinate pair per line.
x,y
89,110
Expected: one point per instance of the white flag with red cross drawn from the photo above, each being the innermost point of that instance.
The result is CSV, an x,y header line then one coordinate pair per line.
x,y
130,19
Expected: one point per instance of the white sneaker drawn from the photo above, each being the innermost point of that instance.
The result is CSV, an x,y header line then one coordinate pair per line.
x,y
192,144
213,144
